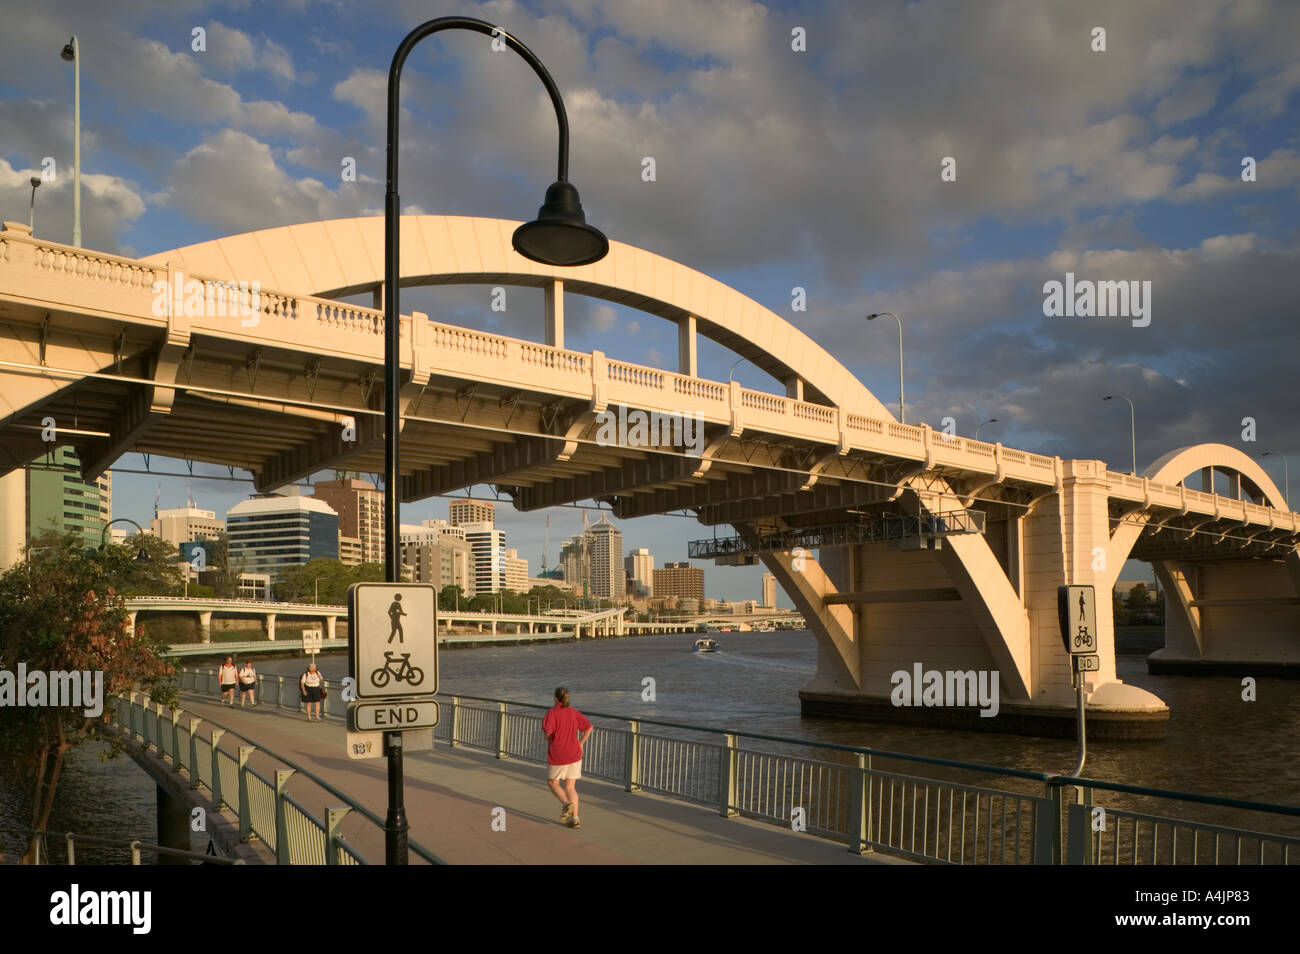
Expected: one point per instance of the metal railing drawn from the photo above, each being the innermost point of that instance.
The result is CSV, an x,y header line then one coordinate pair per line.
x,y
43,855
262,803
871,799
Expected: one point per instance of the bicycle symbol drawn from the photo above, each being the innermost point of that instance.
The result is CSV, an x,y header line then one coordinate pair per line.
x,y
402,672
1082,637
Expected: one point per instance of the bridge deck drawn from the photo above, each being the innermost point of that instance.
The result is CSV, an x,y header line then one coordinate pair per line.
x,y
450,795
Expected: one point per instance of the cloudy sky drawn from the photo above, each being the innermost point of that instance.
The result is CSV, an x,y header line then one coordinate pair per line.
x,y
794,145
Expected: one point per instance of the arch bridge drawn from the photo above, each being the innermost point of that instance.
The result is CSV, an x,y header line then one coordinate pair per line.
x,y
159,356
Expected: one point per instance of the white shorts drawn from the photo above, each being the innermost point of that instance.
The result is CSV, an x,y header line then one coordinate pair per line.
x,y
562,772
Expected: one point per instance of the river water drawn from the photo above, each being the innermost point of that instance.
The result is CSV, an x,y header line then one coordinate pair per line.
x,y
1216,743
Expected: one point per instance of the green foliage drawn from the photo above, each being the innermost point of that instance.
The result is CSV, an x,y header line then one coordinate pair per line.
x,y
300,584
62,610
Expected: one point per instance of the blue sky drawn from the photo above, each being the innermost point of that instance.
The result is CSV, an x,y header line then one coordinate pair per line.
x,y
776,168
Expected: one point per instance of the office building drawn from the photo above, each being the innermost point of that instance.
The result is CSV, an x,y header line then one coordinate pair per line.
x,y
769,590
639,565
351,551
462,512
487,550
516,570
360,507
679,579
573,563
186,525
436,552
270,532
605,549
58,499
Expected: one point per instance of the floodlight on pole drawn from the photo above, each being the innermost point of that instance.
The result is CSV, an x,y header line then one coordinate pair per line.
x,y
31,214
902,413
991,420
71,53
1132,422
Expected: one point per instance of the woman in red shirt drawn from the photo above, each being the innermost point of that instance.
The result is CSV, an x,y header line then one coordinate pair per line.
x,y
566,731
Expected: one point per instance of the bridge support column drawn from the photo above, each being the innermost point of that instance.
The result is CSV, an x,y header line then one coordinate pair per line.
x,y
205,625
131,619
494,627
687,360
331,626
270,626
173,826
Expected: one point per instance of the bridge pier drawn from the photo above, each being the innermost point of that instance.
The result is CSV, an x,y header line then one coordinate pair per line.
x,y
205,625
977,603
331,626
270,626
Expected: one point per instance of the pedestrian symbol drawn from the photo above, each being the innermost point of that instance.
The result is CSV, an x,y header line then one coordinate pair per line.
x,y
395,614
392,635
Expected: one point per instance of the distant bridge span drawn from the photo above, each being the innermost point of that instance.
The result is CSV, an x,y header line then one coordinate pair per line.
x,y
86,340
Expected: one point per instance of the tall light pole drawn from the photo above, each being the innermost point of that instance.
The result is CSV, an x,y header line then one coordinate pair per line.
x,y
1286,476
31,214
1132,423
731,375
902,413
72,53
991,420
559,235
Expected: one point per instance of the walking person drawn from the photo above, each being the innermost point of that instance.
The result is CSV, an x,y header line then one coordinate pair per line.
x,y
312,687
226,676
566,730
248,684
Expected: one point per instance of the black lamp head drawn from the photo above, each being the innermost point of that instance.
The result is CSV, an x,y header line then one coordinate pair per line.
x,y
36,181
69,52
142,555
560,234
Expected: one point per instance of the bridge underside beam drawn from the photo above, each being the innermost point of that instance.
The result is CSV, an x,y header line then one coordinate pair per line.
x,y
327,448
795,502
634,475
494,466
734,486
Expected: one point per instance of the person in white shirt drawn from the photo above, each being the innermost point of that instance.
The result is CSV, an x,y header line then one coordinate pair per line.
x,y
228,679
248,684
312,687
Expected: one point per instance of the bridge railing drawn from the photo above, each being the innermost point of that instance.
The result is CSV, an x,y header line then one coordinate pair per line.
x,y
920,807
43,855
262,802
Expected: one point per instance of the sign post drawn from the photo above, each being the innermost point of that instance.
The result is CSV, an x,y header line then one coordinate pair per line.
x,y
1076,608
311,642
393,658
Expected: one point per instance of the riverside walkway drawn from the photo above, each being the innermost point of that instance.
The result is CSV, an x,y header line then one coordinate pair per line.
x,y
451,794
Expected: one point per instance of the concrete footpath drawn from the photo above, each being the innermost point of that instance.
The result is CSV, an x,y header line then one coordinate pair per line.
x,y
451,795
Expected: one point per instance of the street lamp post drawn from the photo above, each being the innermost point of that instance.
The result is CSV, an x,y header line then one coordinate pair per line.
x,y
31,213
902,413
72,53
142,555
1286,477
559,235
991,420
1132,423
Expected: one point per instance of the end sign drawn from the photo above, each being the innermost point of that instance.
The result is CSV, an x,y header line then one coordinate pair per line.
x,y
1076,605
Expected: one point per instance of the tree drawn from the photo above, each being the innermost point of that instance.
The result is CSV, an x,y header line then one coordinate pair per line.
x,y
1138,604
62,610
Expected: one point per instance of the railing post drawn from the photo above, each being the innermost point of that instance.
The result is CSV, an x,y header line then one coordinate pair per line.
x,y
632,758
279,692
282,854
135,853
727,777
130,715
1078,830
860,807
72,848
333,819
501,730
176,740
455,720
194,753
1047,827
245,809
216,769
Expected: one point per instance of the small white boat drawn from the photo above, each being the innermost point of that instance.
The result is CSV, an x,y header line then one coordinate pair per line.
x,y
706,645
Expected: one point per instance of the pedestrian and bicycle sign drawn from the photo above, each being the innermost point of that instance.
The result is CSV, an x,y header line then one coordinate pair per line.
x,y
1076,606
392,638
